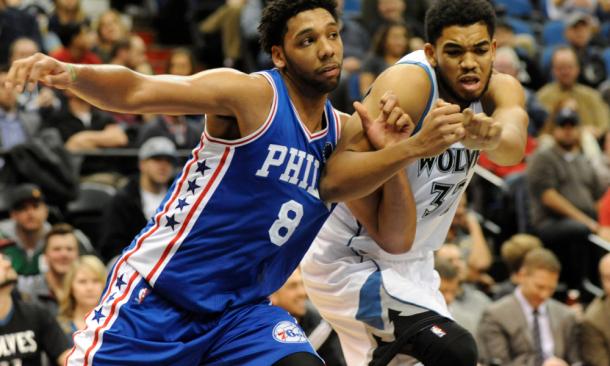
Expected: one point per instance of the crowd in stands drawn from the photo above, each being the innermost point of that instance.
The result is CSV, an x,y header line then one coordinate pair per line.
x,y
520,269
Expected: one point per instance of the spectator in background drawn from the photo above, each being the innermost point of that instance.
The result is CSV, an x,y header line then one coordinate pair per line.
x,y
16,23
50,40
184,134
42,101
16,126
412,12
356,40
524,45
81,292
507,62
595,328
579,33
390,44
78,42
66,12
83,127
33,330
468,302
466,232
181,62
110,29
564,190
293,298
59,252
529,327
226,21
513,252
131,53
132,206
594,113
26,227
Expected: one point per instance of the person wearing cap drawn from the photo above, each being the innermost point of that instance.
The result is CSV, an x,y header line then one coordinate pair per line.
x,y
564,190
129,210
26,227
593,111
579,32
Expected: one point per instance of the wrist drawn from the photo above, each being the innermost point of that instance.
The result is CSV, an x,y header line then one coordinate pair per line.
x,y
72,71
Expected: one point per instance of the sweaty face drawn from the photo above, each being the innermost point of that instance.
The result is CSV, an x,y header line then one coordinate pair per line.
x,y
313,51
463,57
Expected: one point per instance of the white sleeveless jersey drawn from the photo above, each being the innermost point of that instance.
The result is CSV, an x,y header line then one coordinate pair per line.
x,y
351,280
437,183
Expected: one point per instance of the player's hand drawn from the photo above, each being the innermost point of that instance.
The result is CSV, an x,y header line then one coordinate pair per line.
x,y
482,131
442,127
25,73
391,125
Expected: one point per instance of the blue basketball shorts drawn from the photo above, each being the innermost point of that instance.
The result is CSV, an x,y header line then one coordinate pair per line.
x,y
133,325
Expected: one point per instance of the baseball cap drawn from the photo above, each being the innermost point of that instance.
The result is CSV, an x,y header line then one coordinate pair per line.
x,y
577,17
22,193
567,116
157,147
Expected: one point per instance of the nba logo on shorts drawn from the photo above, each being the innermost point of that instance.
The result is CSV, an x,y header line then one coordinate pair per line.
x,y
438,331
287,332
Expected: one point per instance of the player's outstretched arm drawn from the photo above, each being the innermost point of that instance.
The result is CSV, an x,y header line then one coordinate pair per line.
x,y
116,88
354,171
503,134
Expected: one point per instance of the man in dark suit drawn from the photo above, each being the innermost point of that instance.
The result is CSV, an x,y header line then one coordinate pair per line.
x,y
528,328
595,337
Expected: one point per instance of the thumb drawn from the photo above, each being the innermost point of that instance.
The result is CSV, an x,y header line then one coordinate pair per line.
x,y
364,115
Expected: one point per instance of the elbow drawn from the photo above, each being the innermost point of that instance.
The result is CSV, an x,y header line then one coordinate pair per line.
x,y
396,244
333,189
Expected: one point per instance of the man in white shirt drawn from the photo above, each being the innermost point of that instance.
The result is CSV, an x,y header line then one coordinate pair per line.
x,y
528,327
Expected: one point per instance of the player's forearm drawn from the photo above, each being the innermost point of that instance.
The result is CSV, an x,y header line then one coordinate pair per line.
x,y
350,175
511,149
397,215
109,87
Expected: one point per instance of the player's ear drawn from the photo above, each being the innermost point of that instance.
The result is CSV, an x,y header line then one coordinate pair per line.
x,y
278,57
430,52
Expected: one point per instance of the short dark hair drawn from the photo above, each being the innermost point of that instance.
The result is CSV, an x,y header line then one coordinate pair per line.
x,y
69,31
58,229
273,25
445,13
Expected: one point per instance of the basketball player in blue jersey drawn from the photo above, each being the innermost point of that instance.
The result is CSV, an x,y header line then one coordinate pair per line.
x,y
192,287
386,307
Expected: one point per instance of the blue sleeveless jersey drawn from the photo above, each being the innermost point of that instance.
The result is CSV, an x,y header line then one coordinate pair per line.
x,y
241,215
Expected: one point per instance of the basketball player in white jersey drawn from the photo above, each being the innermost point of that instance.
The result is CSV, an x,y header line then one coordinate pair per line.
x,y
386,306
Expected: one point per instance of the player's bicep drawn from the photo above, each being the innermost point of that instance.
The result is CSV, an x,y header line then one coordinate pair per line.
x,y
220,92
411,86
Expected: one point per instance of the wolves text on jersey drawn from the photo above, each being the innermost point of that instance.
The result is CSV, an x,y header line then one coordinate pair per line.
x,y
452,160
18,343
300,168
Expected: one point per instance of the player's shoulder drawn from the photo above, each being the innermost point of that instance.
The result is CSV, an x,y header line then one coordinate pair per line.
x,y
503,84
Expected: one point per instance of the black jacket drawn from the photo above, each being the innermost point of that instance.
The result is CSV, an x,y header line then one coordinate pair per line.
x,y
123,219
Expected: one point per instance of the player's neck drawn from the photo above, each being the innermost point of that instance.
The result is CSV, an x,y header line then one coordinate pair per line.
x,y
308,103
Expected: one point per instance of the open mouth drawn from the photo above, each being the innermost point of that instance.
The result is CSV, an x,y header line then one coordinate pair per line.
x,y
471,83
